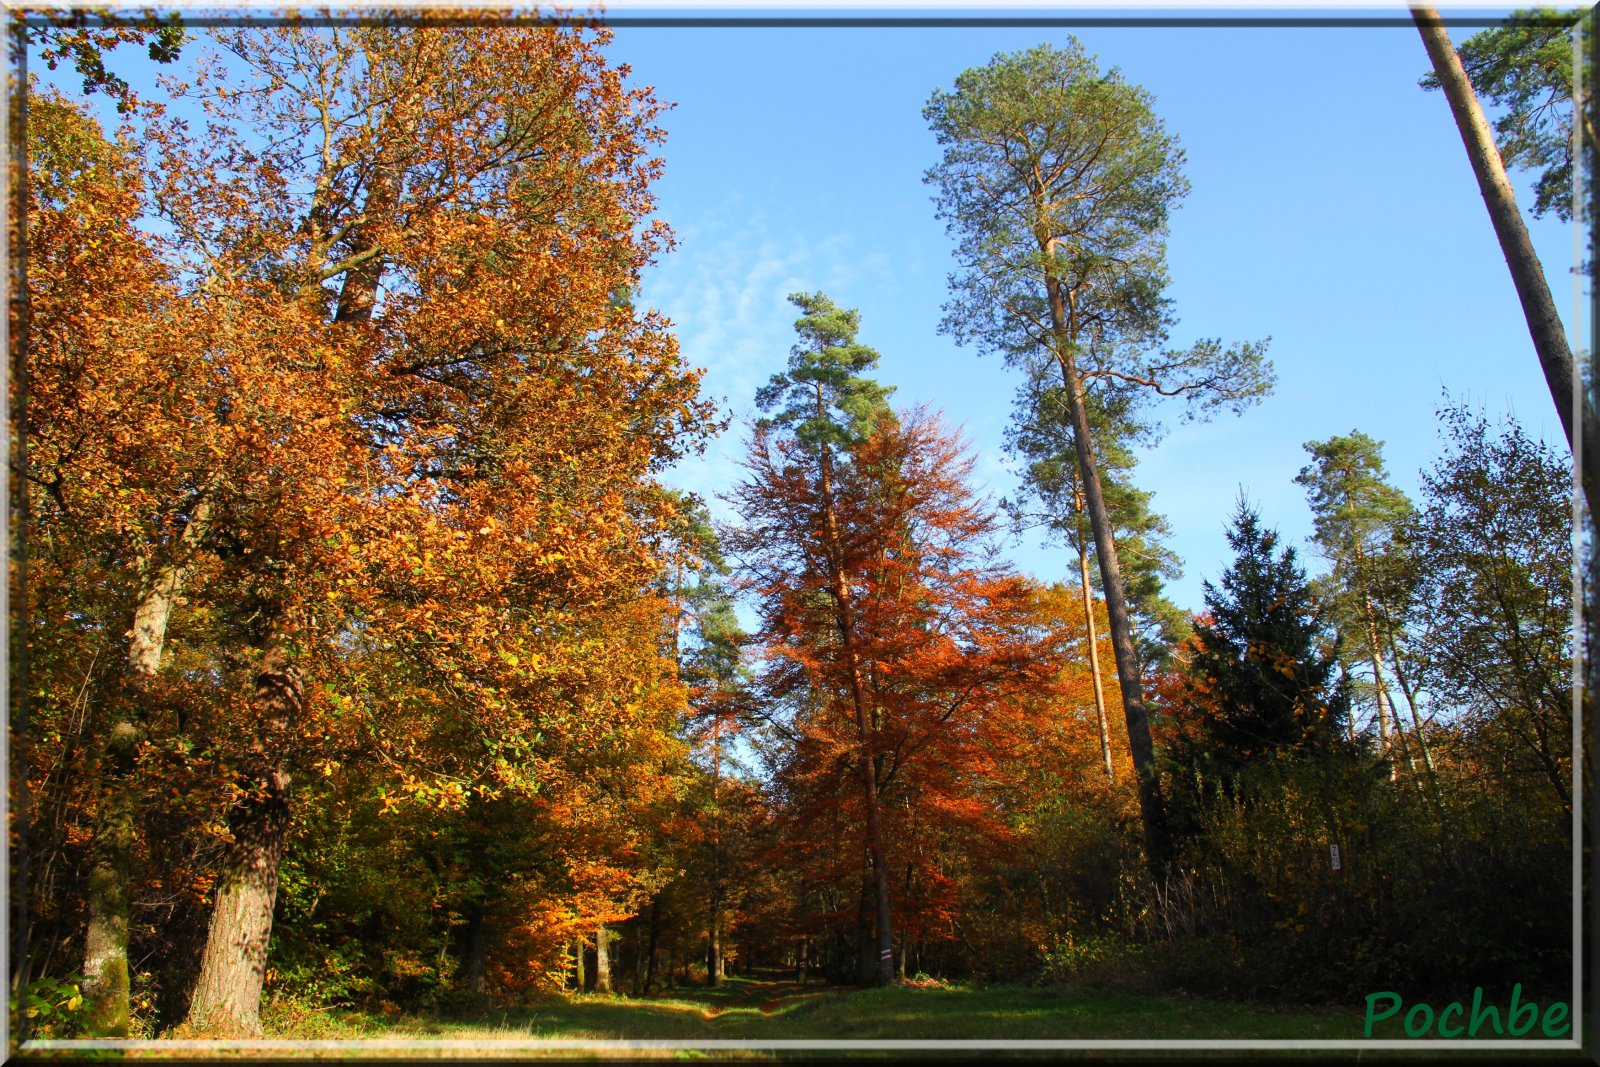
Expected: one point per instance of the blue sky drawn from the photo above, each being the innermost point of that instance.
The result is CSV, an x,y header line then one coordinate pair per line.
x,y
1332,208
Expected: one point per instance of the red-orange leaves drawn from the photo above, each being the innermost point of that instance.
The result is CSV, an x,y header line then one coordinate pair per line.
x,y
943,639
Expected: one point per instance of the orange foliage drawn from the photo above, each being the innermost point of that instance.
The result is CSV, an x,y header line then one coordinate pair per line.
x,y
947,650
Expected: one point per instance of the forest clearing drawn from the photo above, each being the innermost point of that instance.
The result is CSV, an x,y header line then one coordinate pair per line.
x,y
409,643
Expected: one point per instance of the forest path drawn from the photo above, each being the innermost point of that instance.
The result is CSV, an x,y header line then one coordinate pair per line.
x,y
764,994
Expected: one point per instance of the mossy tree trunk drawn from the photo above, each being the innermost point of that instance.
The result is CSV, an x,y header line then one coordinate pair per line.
x,y
105,956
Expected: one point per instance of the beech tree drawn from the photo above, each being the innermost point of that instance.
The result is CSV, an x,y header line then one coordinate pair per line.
x,y
942,645
418,430
1057,182
1492,616
827,407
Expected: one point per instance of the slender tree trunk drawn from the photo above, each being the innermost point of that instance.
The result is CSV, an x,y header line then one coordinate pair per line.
x,y
866,966
1409,692
1384,709
714,919
638,957
227,995
476,948
1156,840
577,963
655,943
105,963
1544,324
1094,653
602,959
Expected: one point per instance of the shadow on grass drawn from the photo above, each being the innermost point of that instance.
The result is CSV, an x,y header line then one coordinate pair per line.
x,y
769,1010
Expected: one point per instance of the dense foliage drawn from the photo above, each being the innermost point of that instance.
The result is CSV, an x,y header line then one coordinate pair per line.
x,y
368,660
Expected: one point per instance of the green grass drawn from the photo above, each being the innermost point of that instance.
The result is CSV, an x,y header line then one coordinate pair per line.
x,y
766,1010
755,1010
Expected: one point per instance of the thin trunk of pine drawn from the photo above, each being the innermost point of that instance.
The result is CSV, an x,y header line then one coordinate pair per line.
x,y
1384,728
1544,324
227,995
1094,646
714,919
1157,842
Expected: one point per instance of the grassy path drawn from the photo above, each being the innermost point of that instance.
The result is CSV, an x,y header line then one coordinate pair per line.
x,y
767,1008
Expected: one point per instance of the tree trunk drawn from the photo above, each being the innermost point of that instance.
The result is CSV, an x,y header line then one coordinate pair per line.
x,y
1157,843
602,959
1384,708
105,955
1544,324
105,959
476,949
714,919
884,970
227,995
577,961
655,943
866,966
1094,656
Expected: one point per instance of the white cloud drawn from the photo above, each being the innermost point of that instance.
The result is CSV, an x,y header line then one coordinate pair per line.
x,y
725,288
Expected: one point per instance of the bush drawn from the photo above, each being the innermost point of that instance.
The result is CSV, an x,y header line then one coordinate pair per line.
x,y
1437,891
50,1008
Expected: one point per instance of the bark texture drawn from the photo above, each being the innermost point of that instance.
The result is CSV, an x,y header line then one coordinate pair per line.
x,y
1157,841
602,959
227,995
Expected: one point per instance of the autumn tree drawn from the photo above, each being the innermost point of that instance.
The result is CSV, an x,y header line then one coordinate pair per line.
x,y
891,687
420,436
85,36
101,328
1057,182
825,406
